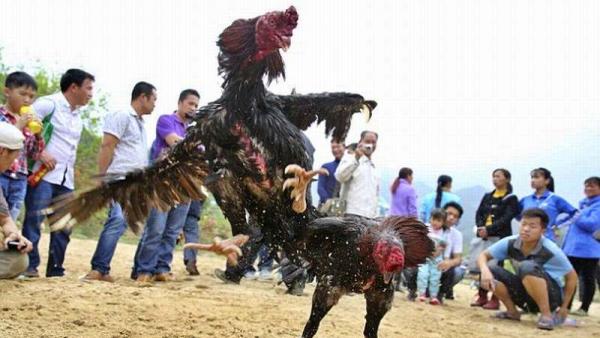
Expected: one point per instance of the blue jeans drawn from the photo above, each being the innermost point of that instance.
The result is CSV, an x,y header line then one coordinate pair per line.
x,y
37,199
114,228
191,230
14,190
155,250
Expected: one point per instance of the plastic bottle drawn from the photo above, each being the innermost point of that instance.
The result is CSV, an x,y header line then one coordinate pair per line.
x,y
34,179
34,126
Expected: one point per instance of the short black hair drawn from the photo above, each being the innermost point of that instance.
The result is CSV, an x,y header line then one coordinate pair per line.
x,y
187,92
365,132
74,76
20,79
537,213
405,172
595,180
141,88
456,206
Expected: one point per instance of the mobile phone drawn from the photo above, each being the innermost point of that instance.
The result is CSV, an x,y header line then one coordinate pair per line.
x,y
12,246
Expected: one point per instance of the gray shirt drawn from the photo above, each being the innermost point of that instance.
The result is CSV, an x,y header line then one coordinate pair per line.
x,y
132,150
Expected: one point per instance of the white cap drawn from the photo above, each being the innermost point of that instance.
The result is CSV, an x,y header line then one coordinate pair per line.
x,y
10,137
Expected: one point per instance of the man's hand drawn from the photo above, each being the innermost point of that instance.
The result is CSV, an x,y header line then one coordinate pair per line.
x,y
48,160
445,265
359,152
487,280
24,245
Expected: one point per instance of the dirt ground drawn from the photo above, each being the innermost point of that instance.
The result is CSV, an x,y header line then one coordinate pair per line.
x,y
204,307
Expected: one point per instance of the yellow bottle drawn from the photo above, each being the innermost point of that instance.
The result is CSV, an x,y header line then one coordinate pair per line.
x,y
34,126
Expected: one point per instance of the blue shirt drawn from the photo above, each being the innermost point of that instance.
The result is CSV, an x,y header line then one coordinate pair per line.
x,y
428,203
546,253
579,241
326,184
552,204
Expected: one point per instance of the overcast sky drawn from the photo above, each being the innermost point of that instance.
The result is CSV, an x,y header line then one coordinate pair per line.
x,y
463,86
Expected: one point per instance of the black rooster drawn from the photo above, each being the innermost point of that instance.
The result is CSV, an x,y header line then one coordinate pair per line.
x,y
250,138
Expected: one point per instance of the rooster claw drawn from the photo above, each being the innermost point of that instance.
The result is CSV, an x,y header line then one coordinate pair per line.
x,y
231,248
299,184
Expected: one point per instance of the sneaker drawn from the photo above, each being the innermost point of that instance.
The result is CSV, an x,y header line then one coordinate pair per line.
x,y
481,299
31,273
250,275
191,268
435,301
492,304
265,275
220,274
422,298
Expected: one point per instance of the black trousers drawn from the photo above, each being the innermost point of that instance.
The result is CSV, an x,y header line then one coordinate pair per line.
x,y
586,269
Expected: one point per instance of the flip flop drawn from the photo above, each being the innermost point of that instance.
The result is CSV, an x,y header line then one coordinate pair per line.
x,y
504,315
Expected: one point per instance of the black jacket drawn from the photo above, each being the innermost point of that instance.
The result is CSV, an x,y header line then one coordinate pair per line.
x,y
503,210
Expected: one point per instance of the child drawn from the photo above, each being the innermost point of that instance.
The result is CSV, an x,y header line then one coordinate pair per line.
x,y
429,275
20,90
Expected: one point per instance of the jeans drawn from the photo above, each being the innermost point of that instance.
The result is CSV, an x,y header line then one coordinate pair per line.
x,y
191,230
37,199
155,250
14,190
429,275
114,228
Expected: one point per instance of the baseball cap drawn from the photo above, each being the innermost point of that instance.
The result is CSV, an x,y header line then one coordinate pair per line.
x,y
10,137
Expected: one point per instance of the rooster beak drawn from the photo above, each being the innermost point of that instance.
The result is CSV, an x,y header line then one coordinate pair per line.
x,y
387,277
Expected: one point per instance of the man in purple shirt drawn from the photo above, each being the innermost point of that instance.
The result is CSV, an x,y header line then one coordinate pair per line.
x,y
404,196
154,253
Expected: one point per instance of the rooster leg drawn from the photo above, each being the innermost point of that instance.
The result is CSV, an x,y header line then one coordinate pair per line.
x,y
299,184
379,301
324,298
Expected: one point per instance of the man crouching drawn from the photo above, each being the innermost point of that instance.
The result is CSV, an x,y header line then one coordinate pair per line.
x,y
537,284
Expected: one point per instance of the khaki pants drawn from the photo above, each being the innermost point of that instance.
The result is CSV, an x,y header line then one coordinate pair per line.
x,y
12,264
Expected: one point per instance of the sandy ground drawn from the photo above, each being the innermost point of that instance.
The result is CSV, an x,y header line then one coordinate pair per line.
x,y
204,307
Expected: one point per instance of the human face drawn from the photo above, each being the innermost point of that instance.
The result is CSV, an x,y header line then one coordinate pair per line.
x,y
591,190
337,150
436,224
370,140
19,97
500,181
188,106
539,182
452,216
531,229
7,157
84,93
149,102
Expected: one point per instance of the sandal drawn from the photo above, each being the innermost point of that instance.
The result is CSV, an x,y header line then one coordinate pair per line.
x,y
505,315
545,323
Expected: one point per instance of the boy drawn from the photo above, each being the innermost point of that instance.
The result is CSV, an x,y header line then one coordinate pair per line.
x,y
20,90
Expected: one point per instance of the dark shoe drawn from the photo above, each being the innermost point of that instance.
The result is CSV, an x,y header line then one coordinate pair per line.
x,y
450,294
412,296
191,268
31,273
296,289
492,304
220,274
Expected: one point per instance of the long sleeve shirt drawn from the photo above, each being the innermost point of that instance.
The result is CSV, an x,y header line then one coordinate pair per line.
x,y
361,185
404,200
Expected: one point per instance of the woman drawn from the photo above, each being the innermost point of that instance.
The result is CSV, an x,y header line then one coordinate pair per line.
x,y
404,197
580,246
545,198
439,198
493,222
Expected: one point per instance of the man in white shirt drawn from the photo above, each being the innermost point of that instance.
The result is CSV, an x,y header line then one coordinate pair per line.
x,y
124,149
58,160
359,177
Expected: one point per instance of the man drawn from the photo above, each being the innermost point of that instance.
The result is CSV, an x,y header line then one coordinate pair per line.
x,y
155,250
12,262
58,161
359,178
404,196
452,270
124,148
537,284
327,184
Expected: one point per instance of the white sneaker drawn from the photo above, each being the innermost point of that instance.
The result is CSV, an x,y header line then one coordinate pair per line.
x,y
265,275
250,275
